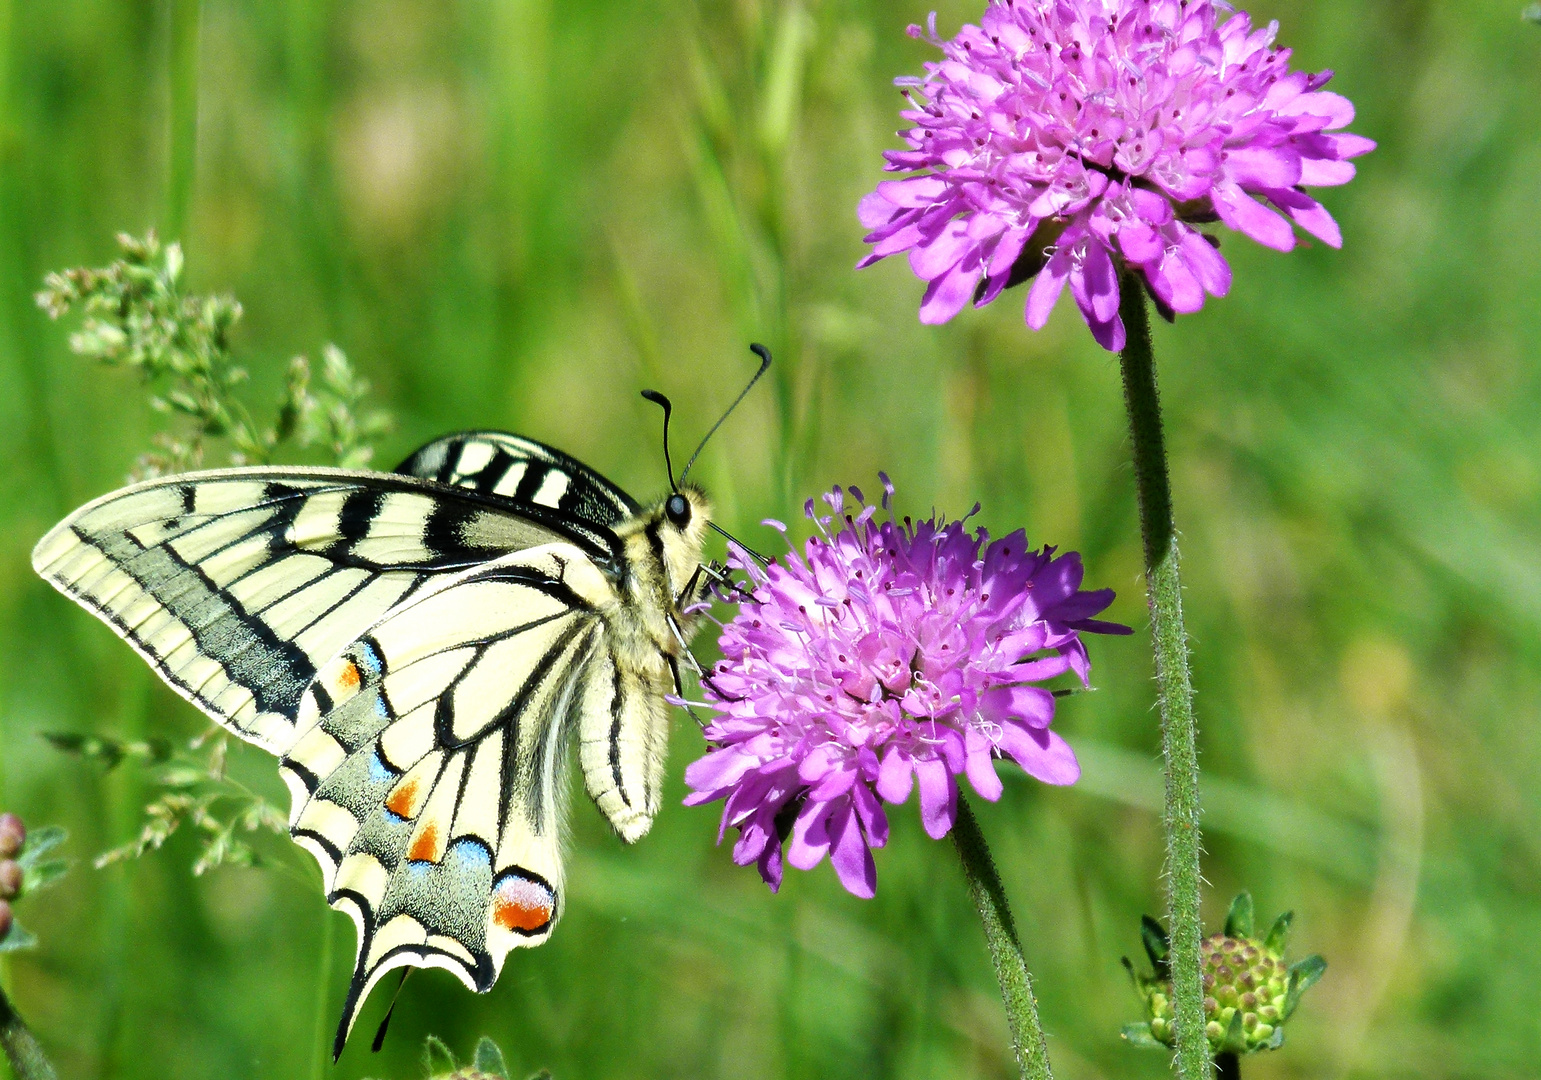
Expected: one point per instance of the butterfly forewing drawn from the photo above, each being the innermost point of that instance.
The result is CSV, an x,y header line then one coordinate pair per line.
x,y
236,585
522,470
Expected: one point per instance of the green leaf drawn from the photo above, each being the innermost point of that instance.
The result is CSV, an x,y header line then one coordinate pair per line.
x,y
1134,976
1275,1040
1235,1037
19,938
489,1059
43,874
1238,922
437,1056
1303,976
39,843
1157,946
1279,933
1139,1035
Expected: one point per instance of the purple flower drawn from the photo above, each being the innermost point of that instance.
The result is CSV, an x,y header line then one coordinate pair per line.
x,y
887,656
1068,139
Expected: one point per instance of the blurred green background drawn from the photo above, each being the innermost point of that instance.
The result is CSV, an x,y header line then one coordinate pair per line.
x,y
516,214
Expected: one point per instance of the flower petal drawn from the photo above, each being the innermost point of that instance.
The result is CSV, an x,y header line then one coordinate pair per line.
x,y
1046,289
981,766
947,295
849,855
896,776
938,797
809,842
1042,754
1246,215
1031,705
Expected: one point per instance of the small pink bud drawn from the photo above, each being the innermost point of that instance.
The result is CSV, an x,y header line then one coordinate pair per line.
x,y
12,835
6,918
10,878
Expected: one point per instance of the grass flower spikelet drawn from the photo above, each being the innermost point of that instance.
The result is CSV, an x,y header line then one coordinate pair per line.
x,y
885,656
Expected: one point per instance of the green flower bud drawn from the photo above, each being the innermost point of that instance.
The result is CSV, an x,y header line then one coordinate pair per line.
x,y
1248,990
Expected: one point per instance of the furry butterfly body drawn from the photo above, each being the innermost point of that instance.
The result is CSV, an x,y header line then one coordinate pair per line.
x,y
420,649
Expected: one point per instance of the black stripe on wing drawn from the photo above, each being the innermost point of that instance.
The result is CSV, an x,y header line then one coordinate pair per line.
x,y
506,466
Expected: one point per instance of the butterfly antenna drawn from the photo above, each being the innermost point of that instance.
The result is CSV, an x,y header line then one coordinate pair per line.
x,y
761,559
374,1047
765,361
658,399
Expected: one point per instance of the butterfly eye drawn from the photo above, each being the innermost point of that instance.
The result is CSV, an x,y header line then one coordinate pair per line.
x,y
678,511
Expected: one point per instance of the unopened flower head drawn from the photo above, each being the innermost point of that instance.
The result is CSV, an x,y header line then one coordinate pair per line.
x,y
1249,992
886,655
1069,139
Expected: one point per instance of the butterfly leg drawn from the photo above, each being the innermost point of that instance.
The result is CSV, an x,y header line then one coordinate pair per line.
x,y
679,688
721,580
688,593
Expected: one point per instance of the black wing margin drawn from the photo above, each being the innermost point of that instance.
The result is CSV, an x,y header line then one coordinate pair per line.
x,y
501,465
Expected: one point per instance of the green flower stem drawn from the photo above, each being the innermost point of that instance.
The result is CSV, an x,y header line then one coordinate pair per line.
x,y
1179,731
21,1048
1227,1067
984,885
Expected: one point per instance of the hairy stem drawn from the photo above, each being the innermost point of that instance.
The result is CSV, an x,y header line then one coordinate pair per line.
x,y
1179,731
21,1048
989,895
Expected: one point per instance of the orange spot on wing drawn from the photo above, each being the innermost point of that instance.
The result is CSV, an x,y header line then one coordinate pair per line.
x,y
522,904
514,916
426,847
348,678
403,801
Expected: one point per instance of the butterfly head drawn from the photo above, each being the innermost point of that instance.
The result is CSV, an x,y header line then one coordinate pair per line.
x,y
676,529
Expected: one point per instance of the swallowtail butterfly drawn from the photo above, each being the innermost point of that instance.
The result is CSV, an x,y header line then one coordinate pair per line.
x,y
420,649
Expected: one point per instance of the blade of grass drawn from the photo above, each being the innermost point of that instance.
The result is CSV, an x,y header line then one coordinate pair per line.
x,y
184,30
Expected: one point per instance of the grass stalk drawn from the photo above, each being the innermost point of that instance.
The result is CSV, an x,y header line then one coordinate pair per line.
x,y
182,141
989,896
26,1057
1179,730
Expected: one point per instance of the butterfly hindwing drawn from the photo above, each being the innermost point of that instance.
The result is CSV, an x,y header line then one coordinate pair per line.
x,y
236,585
428,775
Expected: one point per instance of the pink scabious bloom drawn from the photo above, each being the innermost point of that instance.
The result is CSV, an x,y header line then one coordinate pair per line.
x,y
1069,139
886,656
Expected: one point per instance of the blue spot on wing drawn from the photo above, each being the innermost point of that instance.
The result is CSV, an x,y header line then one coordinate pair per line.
x,y
379,771
370,658
471,851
